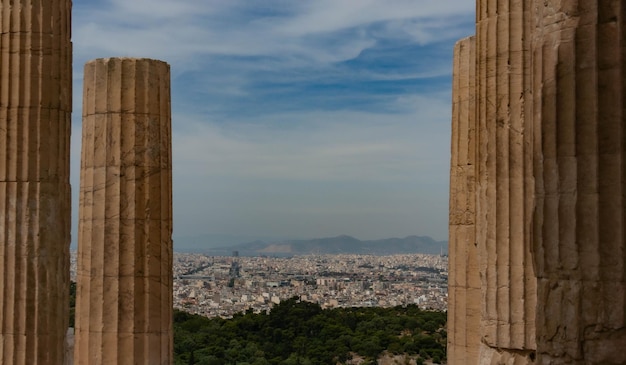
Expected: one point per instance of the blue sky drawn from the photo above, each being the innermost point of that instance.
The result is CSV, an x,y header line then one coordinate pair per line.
x,y
293,118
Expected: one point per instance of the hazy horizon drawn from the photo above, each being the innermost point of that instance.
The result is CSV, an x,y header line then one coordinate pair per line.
x,y
227,240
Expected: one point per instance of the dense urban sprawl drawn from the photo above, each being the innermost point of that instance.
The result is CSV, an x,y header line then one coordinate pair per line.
x,y
222,286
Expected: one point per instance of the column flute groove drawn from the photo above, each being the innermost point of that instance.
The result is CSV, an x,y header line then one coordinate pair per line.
x,y
35,107
464,280
579,66
504,206
124,315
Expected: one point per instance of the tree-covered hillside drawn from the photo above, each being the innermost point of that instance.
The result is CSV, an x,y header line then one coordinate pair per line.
x,y
296,332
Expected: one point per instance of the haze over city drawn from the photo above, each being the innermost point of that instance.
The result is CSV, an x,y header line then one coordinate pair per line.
x,y
294,119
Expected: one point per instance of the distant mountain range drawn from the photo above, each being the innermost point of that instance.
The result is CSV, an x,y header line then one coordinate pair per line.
x,y
336,245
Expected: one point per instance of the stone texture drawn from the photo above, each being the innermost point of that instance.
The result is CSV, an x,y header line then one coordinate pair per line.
x,y
568,58
124,294
35,108
464,296
579,245
505,181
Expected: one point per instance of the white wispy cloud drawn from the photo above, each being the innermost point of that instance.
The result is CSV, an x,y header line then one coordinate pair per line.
x,y
307,31
333,15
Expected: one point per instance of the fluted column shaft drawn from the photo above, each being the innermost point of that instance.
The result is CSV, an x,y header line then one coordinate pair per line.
x,y
464,297
580,243
505,182
35,108
124,297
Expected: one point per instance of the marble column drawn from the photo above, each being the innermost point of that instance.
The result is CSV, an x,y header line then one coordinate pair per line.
x,y
505,182
580,250
35,111
464,297
124,296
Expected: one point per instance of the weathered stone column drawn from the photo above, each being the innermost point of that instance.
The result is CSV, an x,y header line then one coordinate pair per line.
x,y
505,182
464,298
35,108
124,297
580,243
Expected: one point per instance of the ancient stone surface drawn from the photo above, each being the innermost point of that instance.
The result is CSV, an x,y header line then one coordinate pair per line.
x,y
35,108
505,182
580,249
464,297
124,297
576,50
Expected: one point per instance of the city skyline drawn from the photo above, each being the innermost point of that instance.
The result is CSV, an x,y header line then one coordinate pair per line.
x,y
294,119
